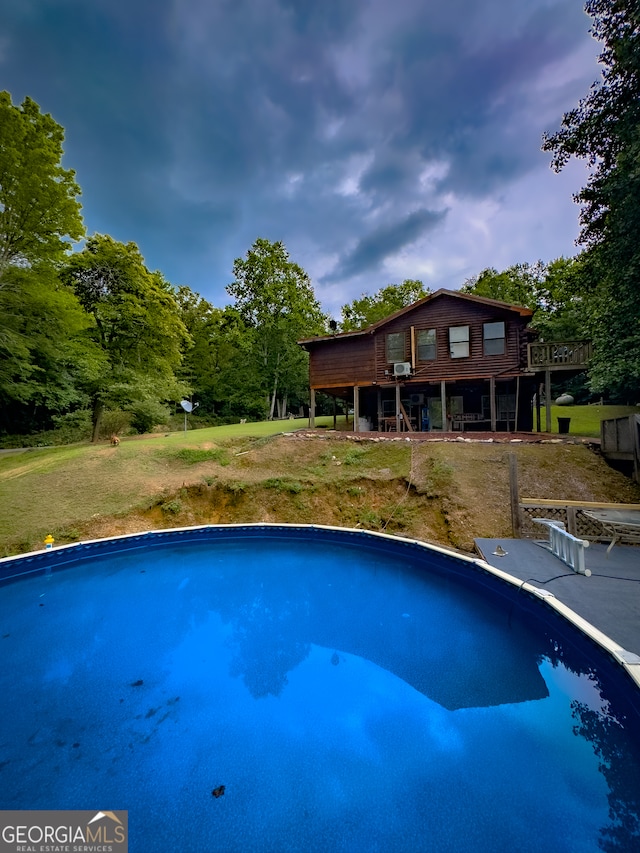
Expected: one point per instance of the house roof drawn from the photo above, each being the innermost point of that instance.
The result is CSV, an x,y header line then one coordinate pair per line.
x,y
456,294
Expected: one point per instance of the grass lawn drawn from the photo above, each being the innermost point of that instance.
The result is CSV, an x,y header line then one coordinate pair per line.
x,y
47,489
446,492
585,420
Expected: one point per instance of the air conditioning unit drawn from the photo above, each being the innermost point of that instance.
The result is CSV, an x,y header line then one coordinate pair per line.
x,y
417,399
402,368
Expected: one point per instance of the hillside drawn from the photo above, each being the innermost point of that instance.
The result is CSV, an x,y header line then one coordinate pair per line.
x,y
447,492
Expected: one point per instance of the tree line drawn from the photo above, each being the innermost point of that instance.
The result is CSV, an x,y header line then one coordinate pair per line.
x,y
94,336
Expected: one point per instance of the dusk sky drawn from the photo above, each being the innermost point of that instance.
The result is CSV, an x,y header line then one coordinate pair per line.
x,y
377,139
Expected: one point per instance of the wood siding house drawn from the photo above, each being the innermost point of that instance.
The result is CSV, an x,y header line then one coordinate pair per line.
x,y
451,361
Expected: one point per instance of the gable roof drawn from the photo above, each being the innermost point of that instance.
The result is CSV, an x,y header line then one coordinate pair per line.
x,y
469,297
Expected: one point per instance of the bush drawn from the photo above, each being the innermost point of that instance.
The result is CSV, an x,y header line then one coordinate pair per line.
x,y
172,507
146,414
74,426
114,422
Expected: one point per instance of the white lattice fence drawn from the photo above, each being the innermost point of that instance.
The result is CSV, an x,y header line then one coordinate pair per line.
x,y
570,513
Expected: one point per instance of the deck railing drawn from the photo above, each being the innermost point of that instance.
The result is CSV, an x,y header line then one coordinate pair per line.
x,y
558,355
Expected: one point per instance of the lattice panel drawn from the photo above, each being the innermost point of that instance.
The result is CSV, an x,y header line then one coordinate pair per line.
x,y
575,521
590,529
531,530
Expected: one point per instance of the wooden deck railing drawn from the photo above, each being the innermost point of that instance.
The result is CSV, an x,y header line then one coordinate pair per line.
x,y
558,355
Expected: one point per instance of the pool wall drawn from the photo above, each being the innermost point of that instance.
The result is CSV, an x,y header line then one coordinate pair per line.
x,y
540,602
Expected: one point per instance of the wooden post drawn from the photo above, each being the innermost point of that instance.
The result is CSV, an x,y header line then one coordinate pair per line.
x,y
335,412
398,413
443,403
407,420
515,425
547,397
356,408
492,402
312,408
514,496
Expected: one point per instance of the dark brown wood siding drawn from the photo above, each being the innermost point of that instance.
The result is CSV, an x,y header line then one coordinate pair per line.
x,y
342,362
441,314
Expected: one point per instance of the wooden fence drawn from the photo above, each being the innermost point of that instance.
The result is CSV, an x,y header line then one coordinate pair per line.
x,y
620,441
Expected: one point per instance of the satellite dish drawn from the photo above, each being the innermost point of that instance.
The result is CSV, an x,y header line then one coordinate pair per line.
x,y
186,405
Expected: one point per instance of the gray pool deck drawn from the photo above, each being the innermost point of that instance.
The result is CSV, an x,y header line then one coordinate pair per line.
x,y
609,599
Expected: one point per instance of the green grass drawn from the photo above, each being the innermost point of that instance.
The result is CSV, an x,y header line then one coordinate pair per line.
x,y
45,489
585,420
196,455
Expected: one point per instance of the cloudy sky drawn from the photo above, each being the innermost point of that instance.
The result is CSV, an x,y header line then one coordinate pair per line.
x,y
377,139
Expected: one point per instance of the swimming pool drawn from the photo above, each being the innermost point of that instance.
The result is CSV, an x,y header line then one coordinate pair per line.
x,y
351,692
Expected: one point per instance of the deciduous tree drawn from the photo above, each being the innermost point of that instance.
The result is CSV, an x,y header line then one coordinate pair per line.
x,y
276,302
137,325
46,358
549,290
39,207
366,310
604,129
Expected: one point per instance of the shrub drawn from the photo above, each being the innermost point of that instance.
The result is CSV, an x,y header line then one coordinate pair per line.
x,y
146,414
114,422
74,426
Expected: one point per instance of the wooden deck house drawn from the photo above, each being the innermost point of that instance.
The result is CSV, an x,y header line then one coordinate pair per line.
x,y
451,361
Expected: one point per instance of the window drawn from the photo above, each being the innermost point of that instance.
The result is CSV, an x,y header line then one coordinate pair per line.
x,y
426,344
493,338
459,342
395,346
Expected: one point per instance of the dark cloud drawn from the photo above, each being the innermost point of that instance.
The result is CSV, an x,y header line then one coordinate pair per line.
x,y
383,241
345,129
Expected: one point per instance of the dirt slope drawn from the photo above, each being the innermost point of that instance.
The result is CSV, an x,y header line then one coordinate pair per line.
x,y
447,492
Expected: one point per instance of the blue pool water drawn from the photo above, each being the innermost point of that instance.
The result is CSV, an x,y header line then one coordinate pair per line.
x,y
351,693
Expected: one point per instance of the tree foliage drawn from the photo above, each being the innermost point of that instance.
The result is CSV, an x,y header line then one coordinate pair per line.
x,y
137,325
276,303
367,309
604,129
45,357
549,290
39,207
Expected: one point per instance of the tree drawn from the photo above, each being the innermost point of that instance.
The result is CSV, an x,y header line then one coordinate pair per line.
x,y
39,208
276,302
137,326
549,290
222,380
368,309
604,129
520,284
46,359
